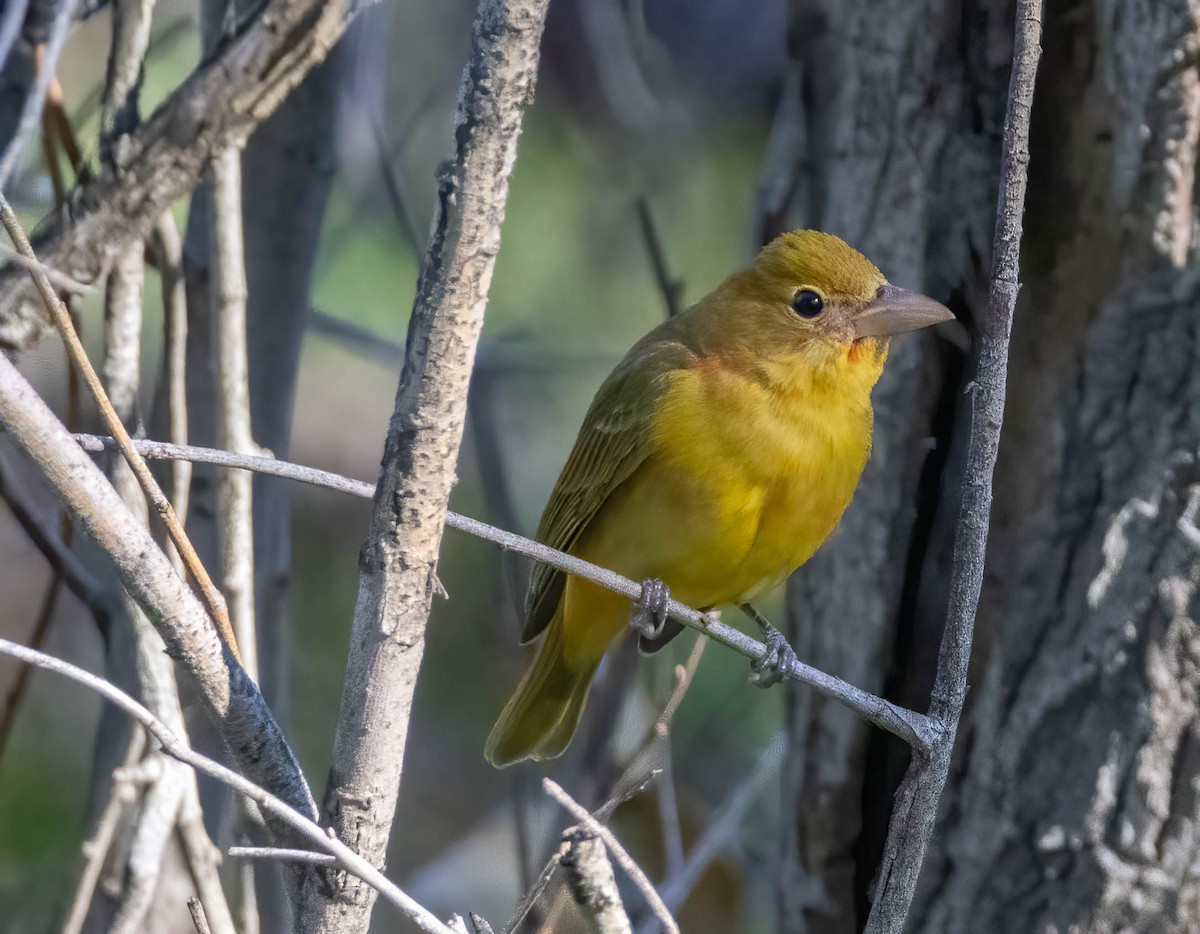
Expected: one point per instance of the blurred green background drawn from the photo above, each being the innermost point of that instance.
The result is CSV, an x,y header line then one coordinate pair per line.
x,y
573,289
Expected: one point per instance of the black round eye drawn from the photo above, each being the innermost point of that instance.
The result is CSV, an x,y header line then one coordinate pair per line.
x,y
807,303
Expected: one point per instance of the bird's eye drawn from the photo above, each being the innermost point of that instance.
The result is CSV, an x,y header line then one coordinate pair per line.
x,y
807,303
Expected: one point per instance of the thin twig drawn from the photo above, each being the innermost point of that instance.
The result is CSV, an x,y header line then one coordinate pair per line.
x,y
393,182
724,827
167,247
534,893
909,725
916,803
176,748
281,853
203,860
31,113
57,551
669,286
234,491
618,852
59,279
199,918
159,502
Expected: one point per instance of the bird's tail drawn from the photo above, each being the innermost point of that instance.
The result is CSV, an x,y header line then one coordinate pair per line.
x,y
540,718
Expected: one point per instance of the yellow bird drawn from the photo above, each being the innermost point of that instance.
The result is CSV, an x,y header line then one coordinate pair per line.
x,y
716,458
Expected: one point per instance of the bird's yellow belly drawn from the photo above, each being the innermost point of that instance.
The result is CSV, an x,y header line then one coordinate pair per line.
x,y
739,492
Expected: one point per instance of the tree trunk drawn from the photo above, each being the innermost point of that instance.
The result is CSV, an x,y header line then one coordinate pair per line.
x,y
1072,805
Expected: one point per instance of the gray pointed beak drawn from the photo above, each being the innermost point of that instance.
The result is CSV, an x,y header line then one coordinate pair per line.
x,y
894,311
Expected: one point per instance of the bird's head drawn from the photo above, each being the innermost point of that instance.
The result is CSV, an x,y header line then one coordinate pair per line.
x,y
810,292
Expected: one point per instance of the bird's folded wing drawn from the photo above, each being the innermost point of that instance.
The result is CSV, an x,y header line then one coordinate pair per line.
x,y
615,439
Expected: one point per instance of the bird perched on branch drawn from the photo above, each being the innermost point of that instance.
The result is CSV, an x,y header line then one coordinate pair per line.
x,y
715,459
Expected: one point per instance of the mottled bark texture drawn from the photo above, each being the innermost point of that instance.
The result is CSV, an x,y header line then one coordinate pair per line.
x,y
1072,804
399,559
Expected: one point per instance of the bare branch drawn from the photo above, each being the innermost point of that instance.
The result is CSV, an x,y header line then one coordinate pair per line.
x,y
57,277
203,860
669,287
176,748
535,892
286,855
167,248
400,555
54,548
199,918
916,803
626,862
907,724
234,494
592,883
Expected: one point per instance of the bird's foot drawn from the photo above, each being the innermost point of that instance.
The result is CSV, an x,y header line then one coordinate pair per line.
x,y
779,657
649,615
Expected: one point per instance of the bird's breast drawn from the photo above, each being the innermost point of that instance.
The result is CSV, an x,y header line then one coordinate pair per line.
x,y
770,460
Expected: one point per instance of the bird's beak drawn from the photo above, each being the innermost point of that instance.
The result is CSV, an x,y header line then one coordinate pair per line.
x,y
894,311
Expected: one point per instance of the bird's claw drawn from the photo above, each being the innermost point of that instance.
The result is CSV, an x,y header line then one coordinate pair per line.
x,y
650,609
774,665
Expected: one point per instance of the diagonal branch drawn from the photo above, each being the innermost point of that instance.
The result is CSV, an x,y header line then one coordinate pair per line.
x,y
912,727
917,800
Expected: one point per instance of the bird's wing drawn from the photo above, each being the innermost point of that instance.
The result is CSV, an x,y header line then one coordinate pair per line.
x,y
613,442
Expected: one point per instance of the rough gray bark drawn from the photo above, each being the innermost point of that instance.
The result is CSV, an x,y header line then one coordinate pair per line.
x,y
399,559
1075,805
1071,803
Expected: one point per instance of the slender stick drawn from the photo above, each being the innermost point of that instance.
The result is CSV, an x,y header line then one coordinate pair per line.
x,y
670,287
199,918
281,853
234,492
176,748
916,805
618,852
158,501
167,247
909,725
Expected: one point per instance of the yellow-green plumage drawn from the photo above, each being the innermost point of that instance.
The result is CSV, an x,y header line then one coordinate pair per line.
x,y
717,457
